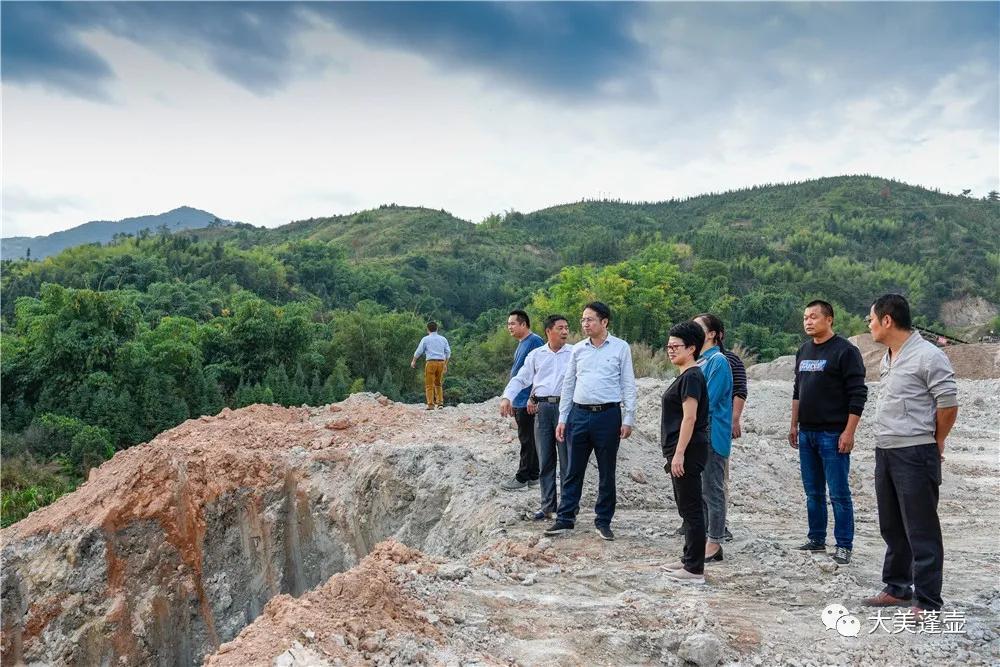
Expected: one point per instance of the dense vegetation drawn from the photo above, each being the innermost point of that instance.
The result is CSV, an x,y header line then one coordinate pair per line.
x,y
103,347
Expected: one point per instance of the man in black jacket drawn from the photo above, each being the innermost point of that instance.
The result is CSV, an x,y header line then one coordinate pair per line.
x,y
827,401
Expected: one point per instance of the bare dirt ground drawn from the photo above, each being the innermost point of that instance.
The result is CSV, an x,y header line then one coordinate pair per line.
x,y
526,599
372,532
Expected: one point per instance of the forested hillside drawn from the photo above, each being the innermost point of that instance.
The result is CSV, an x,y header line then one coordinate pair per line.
x,y
105,346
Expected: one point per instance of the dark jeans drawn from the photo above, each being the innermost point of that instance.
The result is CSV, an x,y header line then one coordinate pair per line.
x,y
600,433
527,469
907,481
549,452
687,495
822,465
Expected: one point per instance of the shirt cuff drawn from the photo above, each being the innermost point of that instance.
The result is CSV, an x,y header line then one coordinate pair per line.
x,y
947,401
628,419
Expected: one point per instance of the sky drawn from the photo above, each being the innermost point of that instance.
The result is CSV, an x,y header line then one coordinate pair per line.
x,y
272,112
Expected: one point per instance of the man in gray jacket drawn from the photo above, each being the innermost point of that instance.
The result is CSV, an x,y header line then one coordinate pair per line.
x,y
917,406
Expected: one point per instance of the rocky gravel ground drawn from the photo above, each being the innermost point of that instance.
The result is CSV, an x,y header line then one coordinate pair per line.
x,y
522,598
372,532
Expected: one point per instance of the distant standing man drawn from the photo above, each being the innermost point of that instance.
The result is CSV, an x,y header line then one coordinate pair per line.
x,y
438,352
519,326
543,372
827,399
596,411
917,406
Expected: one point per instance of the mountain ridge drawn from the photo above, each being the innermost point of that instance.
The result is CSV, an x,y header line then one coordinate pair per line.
x,y
181,218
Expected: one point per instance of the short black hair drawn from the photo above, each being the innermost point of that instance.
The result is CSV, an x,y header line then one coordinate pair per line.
x,y
895,306
600,308
713,323
432,326
521,316
691,333
551,320
824,306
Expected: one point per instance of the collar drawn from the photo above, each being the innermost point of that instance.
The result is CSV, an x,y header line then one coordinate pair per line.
x,y
607,340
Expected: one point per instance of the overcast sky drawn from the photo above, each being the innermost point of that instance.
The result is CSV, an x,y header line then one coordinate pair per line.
x,y
268,113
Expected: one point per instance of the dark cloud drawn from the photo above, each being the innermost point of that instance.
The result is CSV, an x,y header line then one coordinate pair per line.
x,y
248,43
690,55
563,48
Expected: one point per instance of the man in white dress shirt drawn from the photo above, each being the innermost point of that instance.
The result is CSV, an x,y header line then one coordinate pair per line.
x,y
596,412
543,371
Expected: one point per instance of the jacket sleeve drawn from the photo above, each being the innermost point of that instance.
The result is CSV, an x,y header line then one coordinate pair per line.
x,y
853,370
940,379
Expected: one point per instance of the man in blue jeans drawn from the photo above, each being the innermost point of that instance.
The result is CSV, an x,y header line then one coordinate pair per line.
x,y
827,400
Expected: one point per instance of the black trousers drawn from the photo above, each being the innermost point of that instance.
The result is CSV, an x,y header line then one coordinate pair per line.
x,y
687,495
527,469
907,485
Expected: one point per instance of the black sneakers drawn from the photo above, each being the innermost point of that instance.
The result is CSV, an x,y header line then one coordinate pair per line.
x,y
812,546
605,532
558,528
842,555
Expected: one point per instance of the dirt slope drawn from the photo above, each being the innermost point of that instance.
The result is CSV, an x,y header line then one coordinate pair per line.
x,y
374,533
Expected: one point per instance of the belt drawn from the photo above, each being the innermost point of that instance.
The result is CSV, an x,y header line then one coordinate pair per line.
x,y
546,399
600,407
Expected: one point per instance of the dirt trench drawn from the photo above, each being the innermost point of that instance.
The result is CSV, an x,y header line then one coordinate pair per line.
x,y
173,547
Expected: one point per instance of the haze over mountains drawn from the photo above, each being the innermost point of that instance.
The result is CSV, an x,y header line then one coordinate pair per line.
x,y
104,231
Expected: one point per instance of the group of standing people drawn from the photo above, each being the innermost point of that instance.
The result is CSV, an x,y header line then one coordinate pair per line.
x,y
571,401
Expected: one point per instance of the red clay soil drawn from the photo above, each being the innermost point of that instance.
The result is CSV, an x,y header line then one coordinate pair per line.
x,y
171,479
342,619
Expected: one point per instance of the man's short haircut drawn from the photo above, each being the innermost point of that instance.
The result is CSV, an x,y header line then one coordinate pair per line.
x,y
691,333
713,323
432,326
551,320
521,316
895,306
824,307
601,309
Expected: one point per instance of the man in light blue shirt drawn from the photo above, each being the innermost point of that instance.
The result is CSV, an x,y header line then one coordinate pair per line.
x,y
519,326
438,352
596,411
542,373
719,376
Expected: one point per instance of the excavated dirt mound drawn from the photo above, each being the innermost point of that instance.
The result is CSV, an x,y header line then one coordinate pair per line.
x,y
370,532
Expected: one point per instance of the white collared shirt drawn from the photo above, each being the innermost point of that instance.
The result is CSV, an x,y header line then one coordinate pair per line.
x,y
597,375
543,370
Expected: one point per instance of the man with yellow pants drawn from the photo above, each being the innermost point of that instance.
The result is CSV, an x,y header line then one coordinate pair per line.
x,y
438,352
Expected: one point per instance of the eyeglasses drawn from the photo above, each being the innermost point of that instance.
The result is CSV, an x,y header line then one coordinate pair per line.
x,y
868,319
674,348
586,320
